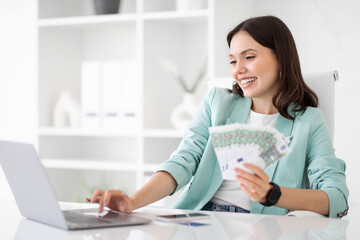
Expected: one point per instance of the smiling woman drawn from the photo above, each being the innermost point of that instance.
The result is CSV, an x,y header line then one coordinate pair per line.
x,y
265,66
269,39
269,90
255,69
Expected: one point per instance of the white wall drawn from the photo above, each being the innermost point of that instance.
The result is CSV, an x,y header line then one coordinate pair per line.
x,y
18,114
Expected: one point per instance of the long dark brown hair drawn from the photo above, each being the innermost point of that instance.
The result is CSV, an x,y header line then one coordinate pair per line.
x,y
271,32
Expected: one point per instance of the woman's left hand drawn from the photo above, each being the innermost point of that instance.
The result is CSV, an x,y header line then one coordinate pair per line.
x,y
257,185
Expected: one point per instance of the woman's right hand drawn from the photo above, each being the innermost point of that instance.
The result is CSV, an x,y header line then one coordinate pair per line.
x,y
113,199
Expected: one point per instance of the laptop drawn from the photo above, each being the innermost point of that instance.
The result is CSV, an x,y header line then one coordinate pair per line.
x,y
36,199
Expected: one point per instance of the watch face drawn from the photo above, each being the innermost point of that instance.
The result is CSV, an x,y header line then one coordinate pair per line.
x,y
273,196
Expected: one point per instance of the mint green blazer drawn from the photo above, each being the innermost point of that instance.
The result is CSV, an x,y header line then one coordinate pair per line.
x,y
311,164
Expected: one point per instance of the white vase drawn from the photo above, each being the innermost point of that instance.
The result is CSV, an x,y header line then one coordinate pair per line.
x,y
66,111
184,5
183,114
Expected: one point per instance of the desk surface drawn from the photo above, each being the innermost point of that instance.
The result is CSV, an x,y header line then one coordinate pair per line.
x,y
221,226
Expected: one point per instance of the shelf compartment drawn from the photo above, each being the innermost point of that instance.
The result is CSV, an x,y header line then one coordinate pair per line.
x,y
77,185
67,8
52,131
82,164
151,168
163,133
177,16
167,5
188,52
158,150
87,21
61,53
110,149
158,5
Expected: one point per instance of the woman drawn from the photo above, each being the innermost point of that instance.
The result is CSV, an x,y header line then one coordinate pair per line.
x,y
268,90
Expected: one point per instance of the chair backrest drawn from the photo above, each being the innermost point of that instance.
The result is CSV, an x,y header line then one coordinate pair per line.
x,y
322,83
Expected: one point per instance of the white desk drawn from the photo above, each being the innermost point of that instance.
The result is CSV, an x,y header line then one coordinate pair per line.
x,y
221,226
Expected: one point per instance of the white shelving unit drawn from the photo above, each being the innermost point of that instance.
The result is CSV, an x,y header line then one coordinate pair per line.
x,y
146,31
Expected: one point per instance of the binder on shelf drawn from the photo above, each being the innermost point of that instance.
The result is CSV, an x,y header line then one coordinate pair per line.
x,y
129,94
110,93
90,94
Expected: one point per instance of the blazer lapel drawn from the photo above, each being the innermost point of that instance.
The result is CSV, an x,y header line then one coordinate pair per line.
x,y
240,112
285,126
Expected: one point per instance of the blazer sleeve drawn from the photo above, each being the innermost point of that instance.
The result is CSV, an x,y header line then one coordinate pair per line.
x,y
184,161
325,171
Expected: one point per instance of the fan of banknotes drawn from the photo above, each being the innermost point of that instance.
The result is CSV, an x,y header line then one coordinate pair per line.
x,y
236,144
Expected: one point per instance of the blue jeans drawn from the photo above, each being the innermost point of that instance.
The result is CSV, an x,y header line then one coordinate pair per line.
x,y
223,208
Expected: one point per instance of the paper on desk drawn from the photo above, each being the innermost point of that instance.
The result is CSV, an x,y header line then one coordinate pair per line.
x,y
96,214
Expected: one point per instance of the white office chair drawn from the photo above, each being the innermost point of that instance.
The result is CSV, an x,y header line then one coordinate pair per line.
x,y
323,84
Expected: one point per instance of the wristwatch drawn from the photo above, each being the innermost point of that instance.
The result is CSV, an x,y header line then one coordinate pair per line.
x,y
273,196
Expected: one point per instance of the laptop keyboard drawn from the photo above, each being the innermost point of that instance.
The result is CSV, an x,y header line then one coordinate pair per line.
x,y
78,219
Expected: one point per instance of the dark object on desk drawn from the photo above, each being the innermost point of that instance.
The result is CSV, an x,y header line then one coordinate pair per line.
x,y
106,6
182,218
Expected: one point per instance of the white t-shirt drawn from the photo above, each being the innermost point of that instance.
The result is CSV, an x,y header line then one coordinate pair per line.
x,y
229,192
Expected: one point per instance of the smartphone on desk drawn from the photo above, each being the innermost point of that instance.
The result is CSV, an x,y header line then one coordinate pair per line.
x,y
182,217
